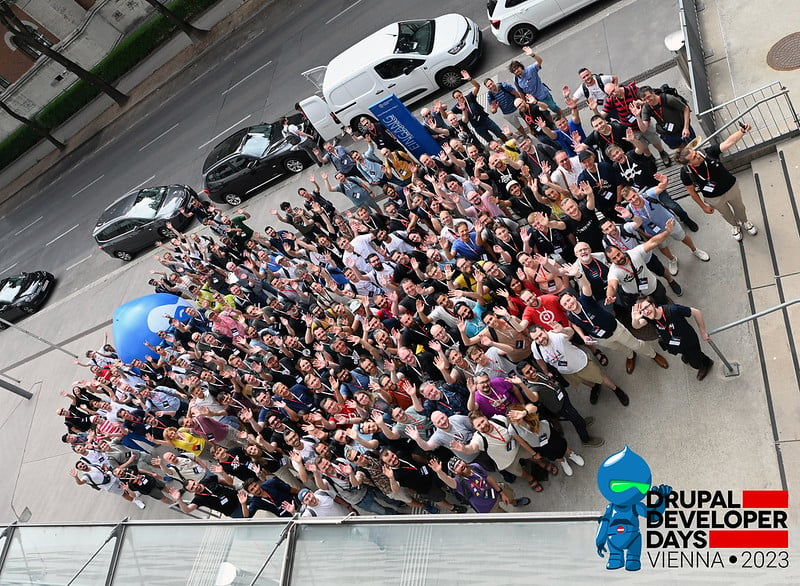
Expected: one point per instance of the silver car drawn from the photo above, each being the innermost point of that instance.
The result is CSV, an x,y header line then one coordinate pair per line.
x,y
139,219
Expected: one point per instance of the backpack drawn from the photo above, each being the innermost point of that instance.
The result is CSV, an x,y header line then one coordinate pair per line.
x,y
598,79
667,89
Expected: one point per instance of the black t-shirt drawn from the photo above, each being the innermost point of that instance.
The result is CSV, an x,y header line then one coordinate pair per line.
x,y
638,171
711,179
418,478
475,112
604,183
596,273
238,464
587,229
277,492
499,180
600,142
674,331
217,497
553,241
593,319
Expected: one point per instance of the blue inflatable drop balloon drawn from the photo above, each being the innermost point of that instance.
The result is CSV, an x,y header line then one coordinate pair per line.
x,y
138,321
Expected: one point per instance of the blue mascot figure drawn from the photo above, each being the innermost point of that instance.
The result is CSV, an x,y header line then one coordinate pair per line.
x,y
140,320
624,480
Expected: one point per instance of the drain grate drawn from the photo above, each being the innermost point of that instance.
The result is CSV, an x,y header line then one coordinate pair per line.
x,y
785,54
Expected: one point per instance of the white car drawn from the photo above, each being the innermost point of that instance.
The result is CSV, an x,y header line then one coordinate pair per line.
x,y
518,22
410,59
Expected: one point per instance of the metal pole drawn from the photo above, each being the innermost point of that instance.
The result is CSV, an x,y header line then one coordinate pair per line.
x,y
732,368
284,534
115,532
16,390
42,340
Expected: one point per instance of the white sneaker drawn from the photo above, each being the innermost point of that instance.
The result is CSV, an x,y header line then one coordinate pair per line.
x,y
576,458
673,266
736,232
566,467
701,254
139,503
751,229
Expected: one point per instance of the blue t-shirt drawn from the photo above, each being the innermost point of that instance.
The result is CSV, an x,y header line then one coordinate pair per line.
x,y
504,97
653,214
593,319
469,250
530,83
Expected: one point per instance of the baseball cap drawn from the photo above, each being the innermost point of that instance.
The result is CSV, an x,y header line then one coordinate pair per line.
x,y
585,155
302,494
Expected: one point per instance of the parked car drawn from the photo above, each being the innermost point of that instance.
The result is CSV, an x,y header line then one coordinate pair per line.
x,y
409,59
244,163
23,294
518,22
139,219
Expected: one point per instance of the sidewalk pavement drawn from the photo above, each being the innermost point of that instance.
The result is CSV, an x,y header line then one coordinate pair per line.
x,y
717,434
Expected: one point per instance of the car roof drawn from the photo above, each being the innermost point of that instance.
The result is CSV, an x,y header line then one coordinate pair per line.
x,y
224,148
363,53
124,205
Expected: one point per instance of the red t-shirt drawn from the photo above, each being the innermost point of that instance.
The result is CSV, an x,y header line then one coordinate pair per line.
x,y
549,310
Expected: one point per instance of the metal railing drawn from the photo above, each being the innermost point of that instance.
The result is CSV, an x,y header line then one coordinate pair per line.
x,y
731,369
768,109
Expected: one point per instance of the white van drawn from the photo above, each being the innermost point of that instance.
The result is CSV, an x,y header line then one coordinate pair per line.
x,y
409,59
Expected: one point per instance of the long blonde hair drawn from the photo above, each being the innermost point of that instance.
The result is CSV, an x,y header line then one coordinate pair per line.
x,y
530,419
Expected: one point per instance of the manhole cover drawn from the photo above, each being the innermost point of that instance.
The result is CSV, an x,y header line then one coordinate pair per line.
x,y
785,54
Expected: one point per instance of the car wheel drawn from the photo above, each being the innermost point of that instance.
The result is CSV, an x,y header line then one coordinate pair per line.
x,y
522,35
293,165
233,199
3,326
449,78
166,233
122,255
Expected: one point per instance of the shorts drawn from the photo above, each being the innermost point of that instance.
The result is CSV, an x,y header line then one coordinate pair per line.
x,y
514,120
589,375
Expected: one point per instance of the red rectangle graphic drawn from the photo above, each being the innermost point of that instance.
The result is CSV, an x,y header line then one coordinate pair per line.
x,y
748,539
765,499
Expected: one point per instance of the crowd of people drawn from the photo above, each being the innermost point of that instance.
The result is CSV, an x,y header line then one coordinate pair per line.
x,y
419,349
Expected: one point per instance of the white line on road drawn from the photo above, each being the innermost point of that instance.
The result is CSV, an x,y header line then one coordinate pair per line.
x,y
62,234
5,270
171,128
486,28
244,79
343,11
75,264
223,132
142,183
87,187
18,232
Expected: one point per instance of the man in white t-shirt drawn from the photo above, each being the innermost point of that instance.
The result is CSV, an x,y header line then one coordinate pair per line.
x,y
554,348
590,88
629,274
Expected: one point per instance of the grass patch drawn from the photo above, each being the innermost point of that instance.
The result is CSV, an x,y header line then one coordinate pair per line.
x,y
128,53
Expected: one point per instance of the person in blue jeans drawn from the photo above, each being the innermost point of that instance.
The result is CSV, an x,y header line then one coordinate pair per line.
x,y
472,112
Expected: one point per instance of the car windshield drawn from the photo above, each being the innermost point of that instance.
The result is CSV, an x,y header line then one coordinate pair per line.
x,y
257,140
416,36
147,203
11,288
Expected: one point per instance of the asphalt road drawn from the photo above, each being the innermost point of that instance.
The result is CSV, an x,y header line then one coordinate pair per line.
x,y
252,76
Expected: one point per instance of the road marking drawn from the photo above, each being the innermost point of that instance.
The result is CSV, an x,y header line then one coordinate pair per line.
x,y
171,128
343,11
18,232
87,187
486,28
73,265
5,270
62,234
223,132
244,79
142,183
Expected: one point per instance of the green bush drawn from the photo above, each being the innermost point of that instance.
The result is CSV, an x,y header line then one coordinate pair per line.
x,y
129,52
